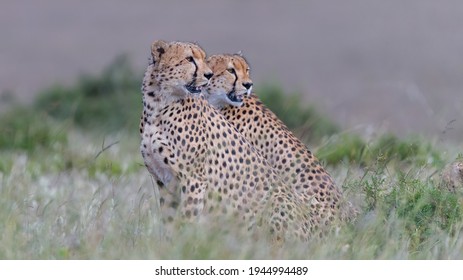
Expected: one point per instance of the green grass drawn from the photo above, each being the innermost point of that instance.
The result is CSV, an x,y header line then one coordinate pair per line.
x,y
27,130
110,101
73,185
385,149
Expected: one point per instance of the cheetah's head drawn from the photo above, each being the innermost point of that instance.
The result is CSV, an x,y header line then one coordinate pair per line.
x,y
230,82
177,68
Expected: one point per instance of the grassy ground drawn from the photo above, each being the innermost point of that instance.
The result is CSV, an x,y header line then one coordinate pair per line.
x,y
73,186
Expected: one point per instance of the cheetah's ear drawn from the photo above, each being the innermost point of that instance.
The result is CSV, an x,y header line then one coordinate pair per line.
x,y
216,63
210,59
157,49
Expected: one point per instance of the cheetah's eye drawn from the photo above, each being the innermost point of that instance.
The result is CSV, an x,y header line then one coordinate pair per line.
x,y
231,70
190,59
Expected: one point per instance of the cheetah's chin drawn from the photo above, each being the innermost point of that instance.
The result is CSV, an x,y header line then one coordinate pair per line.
x,y
193,89
235,98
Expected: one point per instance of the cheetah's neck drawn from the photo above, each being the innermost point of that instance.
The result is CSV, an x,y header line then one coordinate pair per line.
x,y
156,97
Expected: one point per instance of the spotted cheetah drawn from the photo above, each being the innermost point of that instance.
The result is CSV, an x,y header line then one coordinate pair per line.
x,y
452,177
207,168
229,92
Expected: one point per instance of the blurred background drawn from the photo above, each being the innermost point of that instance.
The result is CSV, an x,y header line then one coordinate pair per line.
x,y
371,66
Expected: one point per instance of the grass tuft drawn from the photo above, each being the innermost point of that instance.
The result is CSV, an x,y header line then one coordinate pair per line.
x,y
385,149
27,130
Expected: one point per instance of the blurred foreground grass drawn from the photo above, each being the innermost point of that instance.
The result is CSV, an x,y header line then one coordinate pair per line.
x,y
73,186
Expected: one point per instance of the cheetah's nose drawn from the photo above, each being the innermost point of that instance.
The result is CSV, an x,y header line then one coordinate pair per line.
x,y
247,85
208,75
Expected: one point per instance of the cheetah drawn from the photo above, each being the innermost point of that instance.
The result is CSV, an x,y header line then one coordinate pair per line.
x,y
229,92
452,177
205,166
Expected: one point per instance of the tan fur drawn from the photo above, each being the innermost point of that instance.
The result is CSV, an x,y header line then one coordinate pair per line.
x,y
285,152
214,171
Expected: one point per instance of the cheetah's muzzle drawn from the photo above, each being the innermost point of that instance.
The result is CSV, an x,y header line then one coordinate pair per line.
x,y
192,88
235,97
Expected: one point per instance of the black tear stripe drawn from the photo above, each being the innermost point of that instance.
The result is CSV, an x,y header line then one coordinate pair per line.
x,y
234,82
151,60
195,74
